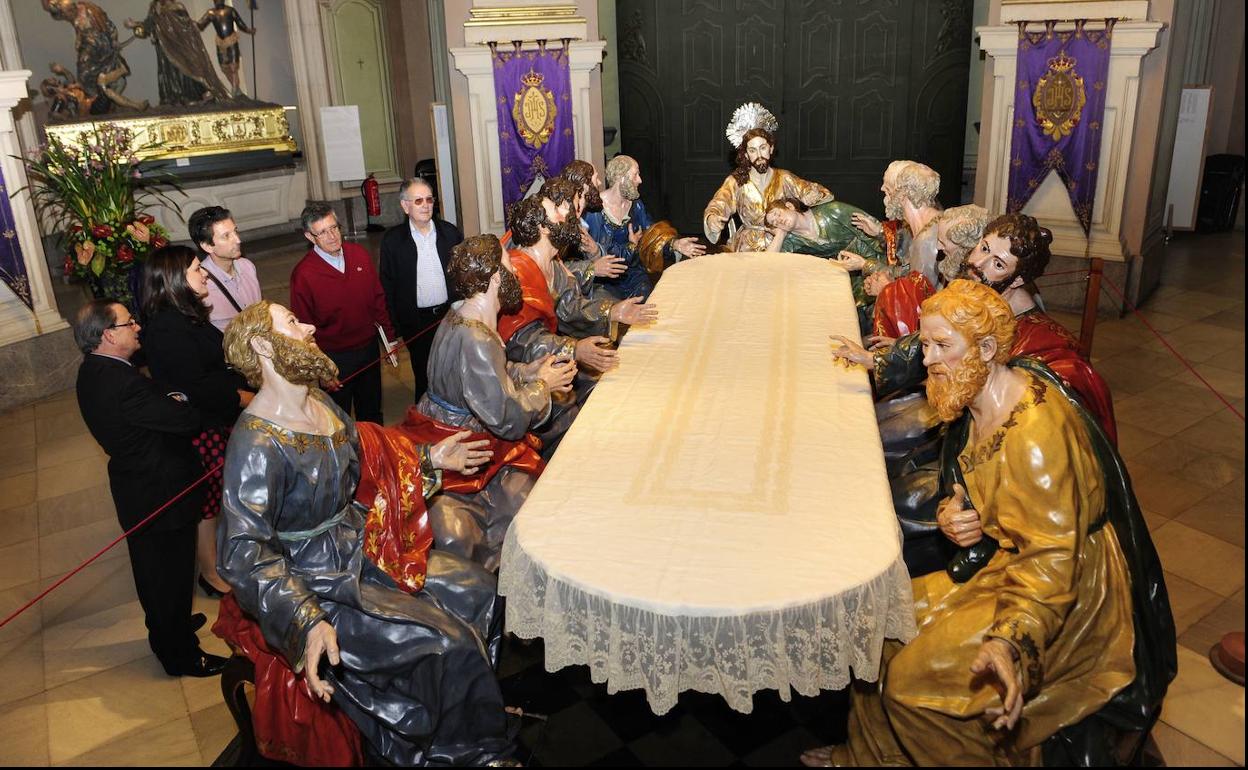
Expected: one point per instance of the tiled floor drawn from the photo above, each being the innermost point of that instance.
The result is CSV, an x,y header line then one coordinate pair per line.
x,y
78,685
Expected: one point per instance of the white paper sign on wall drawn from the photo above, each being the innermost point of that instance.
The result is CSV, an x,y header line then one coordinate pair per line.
x,y
342,143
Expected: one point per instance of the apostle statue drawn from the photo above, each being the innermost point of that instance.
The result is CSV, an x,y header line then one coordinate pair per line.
x,y
754,184
556,317
473,387
102,70
823,230
1065,635
227,23
410,664
185,75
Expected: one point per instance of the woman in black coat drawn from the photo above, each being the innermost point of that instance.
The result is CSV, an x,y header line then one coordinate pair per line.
x,y
184,353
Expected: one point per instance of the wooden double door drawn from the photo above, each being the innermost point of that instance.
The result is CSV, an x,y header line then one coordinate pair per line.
x,y
855,84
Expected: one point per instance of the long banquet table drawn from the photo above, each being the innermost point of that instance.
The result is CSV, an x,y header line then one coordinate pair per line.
x,y
718,517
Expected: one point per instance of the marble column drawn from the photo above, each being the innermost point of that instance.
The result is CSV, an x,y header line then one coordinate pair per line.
x,y
37,354
503,21
1050,203
17,321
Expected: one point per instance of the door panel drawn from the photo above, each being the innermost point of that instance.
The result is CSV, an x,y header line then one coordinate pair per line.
x,y
854,83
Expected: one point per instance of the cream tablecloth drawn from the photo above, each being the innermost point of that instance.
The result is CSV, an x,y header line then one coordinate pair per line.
x,y
718,517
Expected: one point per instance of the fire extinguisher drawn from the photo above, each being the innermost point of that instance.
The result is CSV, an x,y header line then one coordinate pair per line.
x,y
372,200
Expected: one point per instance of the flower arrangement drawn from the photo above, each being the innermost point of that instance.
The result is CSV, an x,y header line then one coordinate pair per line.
x,y
93,193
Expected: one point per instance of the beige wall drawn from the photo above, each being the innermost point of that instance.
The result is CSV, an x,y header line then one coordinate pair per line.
x,y
411,70
456,13
1226,75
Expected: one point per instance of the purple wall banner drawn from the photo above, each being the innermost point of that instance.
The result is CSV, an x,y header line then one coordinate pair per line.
x,y
1059,107
534,100
12,264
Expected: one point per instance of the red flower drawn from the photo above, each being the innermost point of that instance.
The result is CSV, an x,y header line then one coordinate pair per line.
x,y
146,219
159,242
101,231
69,265
75,228
125,254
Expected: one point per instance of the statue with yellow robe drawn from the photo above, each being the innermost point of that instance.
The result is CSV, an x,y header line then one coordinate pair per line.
x,y
754,184
1064,638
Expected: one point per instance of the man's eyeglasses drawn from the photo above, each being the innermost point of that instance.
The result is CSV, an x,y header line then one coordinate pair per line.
x,y
427,199
131,322
327,231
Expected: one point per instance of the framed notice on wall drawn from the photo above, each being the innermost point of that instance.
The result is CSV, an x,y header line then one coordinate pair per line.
x,y
1187,167
342,144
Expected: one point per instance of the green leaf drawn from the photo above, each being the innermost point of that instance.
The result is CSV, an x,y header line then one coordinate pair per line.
x,y
97,263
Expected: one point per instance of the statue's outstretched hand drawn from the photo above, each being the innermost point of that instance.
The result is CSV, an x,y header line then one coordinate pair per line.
x,y
866,223
591,353
322,640
998,659
634,311
609,266
457,453
688,247
848,350
958,521
851,261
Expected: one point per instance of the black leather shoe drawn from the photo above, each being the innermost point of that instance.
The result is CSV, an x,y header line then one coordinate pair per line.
x,y
208,589
203,666
198,620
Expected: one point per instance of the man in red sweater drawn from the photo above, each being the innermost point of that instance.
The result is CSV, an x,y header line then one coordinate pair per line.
x,y
335,288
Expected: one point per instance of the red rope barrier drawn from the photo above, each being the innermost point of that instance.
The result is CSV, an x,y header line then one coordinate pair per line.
x,y
1170,347
173,500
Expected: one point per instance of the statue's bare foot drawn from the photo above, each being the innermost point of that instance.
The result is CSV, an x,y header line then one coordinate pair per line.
x,y
824,756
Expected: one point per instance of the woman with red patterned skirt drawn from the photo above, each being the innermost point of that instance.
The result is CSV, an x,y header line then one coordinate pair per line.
x,y
184,354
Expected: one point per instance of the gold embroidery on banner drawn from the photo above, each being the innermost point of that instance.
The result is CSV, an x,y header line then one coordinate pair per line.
x,y
1059,97
534,110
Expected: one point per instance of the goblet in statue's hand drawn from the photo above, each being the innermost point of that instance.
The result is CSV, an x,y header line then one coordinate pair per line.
x,y
998,660
848,350
457,453
688,247
631,311
958,520
322,640
557,373
591,353
866,223
609,266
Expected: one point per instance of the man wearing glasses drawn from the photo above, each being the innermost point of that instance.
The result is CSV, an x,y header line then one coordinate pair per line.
x,y
414,256
335,288
147,433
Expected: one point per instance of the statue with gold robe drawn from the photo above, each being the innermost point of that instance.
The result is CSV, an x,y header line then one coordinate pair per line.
x,y
754,184
1064,636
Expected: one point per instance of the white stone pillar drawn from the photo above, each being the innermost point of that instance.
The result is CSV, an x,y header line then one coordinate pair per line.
x,y
17,322
312,89
1051,203
476,63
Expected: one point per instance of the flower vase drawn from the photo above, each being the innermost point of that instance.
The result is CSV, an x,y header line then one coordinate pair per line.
x,y
118,285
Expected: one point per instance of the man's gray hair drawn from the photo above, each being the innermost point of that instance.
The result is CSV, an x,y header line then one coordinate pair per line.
x,y
965,224
617,168
314,212
91,321
919,184
405,189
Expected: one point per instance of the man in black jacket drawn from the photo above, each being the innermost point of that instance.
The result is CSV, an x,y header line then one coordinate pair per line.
x,y
414,256
147,435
